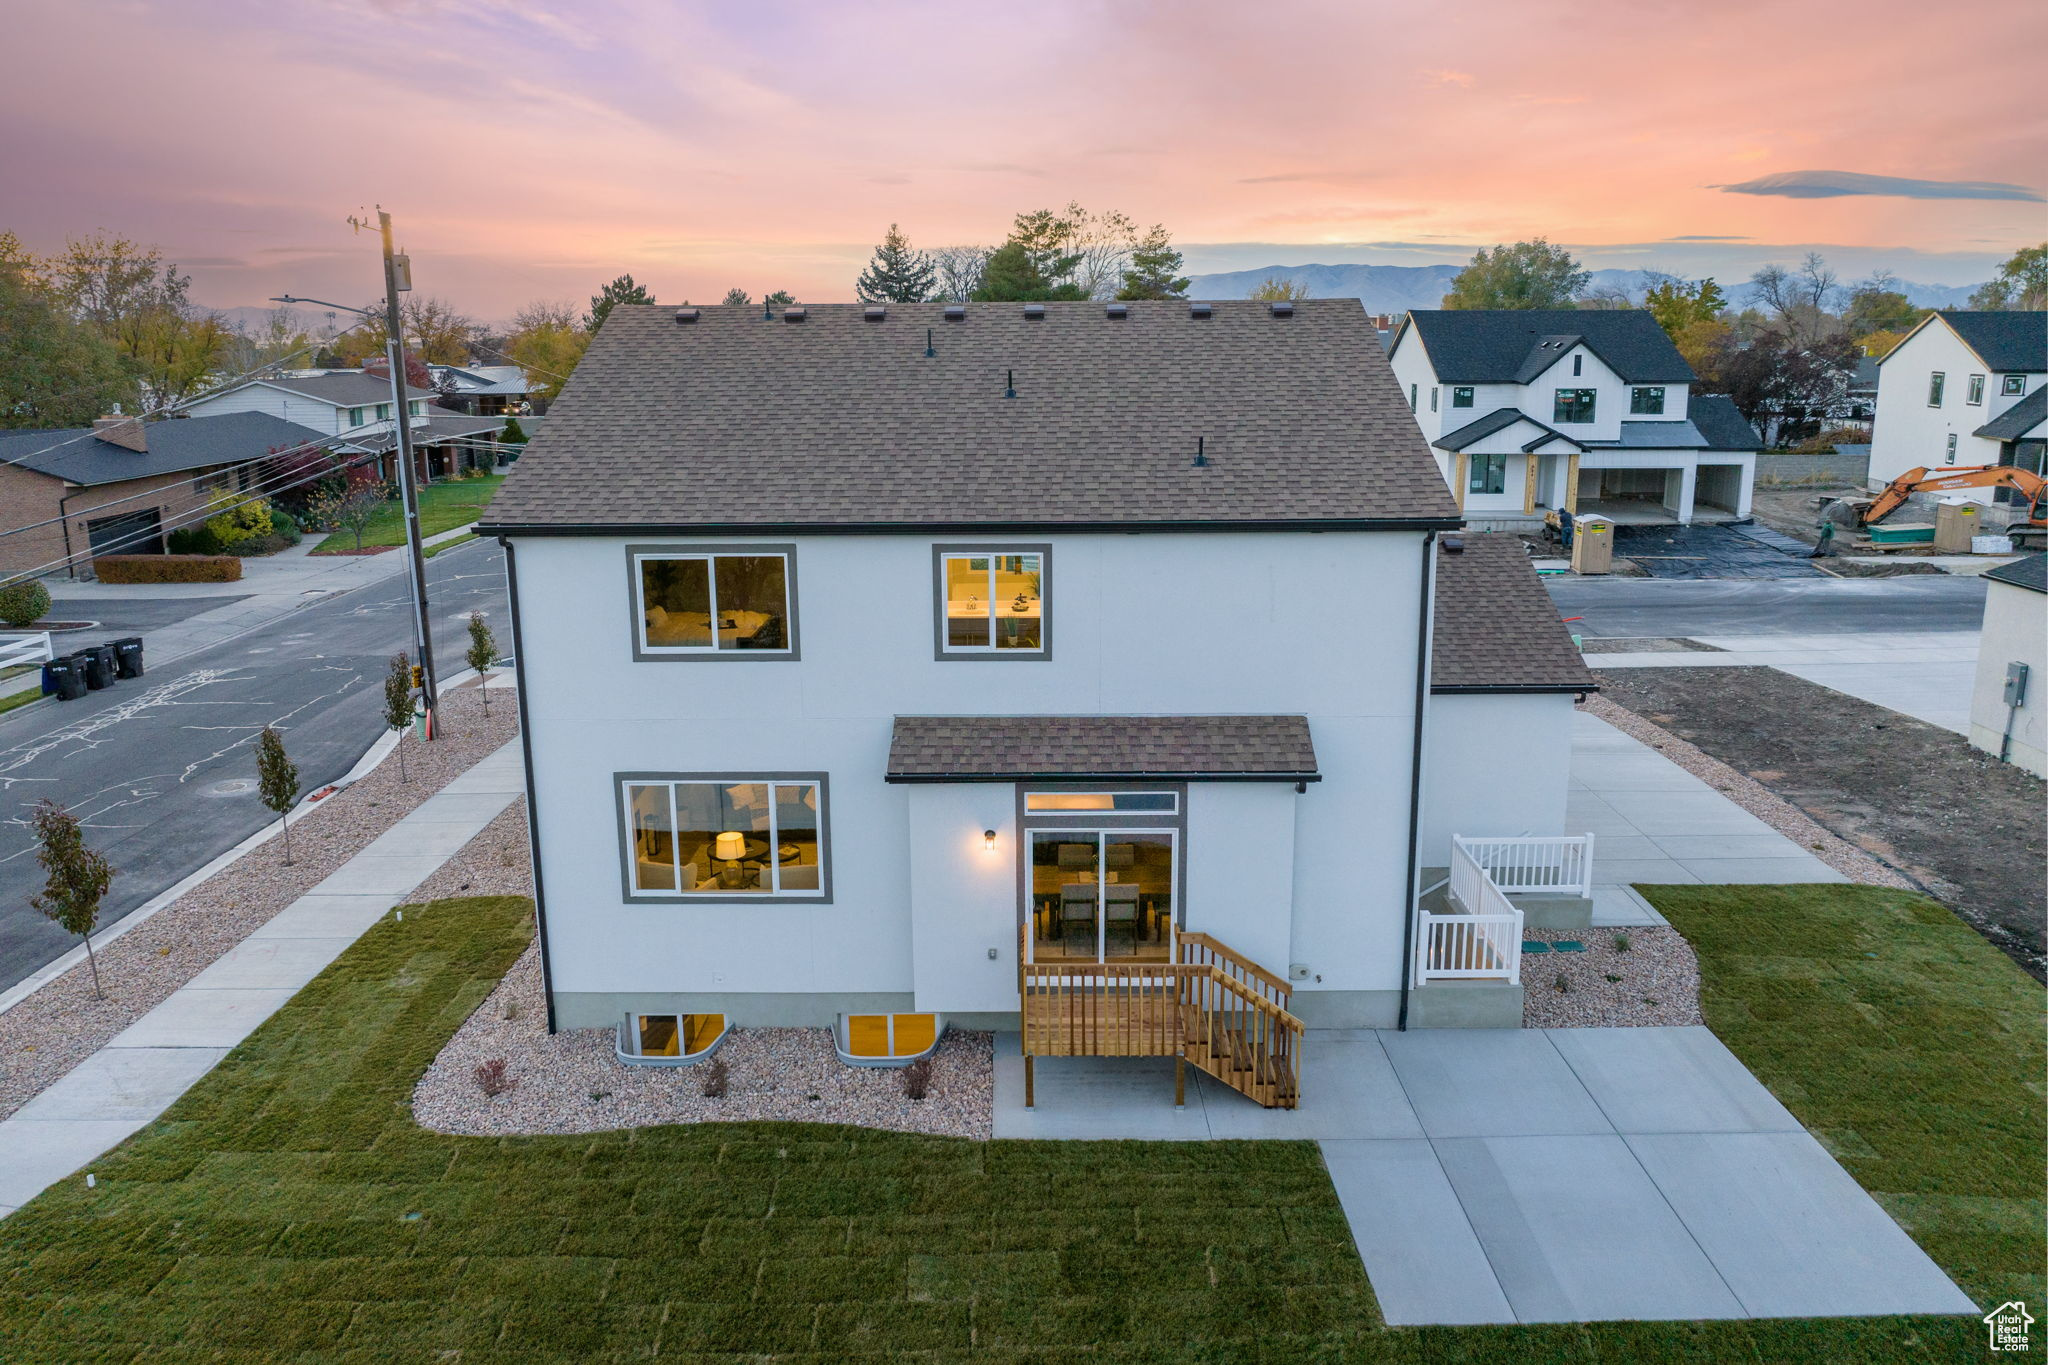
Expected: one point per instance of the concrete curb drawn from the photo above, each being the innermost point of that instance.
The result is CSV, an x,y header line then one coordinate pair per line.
x,y
378,751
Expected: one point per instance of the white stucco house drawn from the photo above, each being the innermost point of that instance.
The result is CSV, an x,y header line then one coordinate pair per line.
x,y
1532,410
356,408
1962,390
881,667
2009,704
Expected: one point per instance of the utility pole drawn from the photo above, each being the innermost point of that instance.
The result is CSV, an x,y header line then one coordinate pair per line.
x,y
398,276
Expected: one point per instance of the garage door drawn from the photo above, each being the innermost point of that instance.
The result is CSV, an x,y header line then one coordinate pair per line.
x,y
132,533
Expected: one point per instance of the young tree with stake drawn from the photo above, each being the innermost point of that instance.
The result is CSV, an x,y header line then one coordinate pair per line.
x,y
79,878
278,781
398,703
483,652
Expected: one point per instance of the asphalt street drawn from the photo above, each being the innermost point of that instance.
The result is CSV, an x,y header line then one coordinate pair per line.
x,y
162,768
1647,607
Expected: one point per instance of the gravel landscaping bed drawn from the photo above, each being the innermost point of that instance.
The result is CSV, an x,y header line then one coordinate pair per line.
x,y
63,1023
1653,981
571,1082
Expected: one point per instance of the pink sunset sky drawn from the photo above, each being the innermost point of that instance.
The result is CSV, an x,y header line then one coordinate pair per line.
x,y
531,149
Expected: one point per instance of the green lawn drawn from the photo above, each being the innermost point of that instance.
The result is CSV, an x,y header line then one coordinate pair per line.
x,y
288,1209
443,507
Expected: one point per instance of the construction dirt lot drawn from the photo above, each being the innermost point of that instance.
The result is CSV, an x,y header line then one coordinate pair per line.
x,y
1963,826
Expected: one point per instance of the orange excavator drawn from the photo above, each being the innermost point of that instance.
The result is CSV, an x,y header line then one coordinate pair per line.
x,y
2031,488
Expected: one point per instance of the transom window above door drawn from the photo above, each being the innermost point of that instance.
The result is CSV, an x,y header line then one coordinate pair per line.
x,y
1125,802
991,601
717,602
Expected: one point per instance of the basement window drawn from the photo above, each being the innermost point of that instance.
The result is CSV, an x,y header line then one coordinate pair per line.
x,y
890,1035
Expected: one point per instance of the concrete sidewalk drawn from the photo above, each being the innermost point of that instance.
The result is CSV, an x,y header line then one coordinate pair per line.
x,y
1927,675
136,1076
1560,1175
1655,823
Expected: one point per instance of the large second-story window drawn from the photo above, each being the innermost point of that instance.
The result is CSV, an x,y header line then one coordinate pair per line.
x,y
1489,474
712,836
1573,405
1649,402
383,412
1461,396
991,601
1975,397
1936,382
720,602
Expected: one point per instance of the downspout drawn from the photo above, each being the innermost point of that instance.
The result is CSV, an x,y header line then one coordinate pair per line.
x,y
64,521
1424,637
540,914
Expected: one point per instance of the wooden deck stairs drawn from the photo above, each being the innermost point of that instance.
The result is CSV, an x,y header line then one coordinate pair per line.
x,y
1210,1007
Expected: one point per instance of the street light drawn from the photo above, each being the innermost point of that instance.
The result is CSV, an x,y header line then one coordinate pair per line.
x,y
394,355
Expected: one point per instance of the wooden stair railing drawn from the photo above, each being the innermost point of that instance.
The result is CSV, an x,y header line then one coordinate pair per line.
x,y
1215,1008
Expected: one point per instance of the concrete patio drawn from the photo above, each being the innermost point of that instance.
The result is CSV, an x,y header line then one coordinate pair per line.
x,y
1563,1175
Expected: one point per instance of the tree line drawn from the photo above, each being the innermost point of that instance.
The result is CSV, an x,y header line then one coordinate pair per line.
x,y
1071,253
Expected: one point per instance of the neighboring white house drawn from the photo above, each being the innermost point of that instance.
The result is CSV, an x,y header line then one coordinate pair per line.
x,y
861,653
1963,389
485,390
1528,411
2008,715
357,407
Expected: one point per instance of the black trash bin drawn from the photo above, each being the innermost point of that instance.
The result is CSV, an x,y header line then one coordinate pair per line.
x,y
68,673
97,662
128,656
54,674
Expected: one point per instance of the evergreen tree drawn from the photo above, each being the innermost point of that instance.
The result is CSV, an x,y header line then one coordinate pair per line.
x,y
898,274
1153,271
737,298
781,298
278,781
1012,276
621,290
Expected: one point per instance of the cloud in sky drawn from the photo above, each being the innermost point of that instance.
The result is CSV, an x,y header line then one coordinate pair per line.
x,y
1834,184
1707,237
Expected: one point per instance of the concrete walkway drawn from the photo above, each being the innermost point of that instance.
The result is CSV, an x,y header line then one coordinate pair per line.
x,y
135,1077
1655,823
1927,675
1563,1175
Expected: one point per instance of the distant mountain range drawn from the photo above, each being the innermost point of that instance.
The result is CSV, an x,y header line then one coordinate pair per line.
x,y
1400,288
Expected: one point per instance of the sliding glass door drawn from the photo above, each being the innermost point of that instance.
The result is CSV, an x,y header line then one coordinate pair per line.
x,y
1102,895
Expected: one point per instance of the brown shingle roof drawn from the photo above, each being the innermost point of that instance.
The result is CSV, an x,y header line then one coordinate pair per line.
x,y
1007,748
1496,629
732,422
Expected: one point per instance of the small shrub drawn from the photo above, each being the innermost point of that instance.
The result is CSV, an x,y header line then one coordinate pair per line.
x,y
24,603
168,569
917,1079
1612,977
715,1079
195,540
513,434
1564,984
235,520
1622,943
255,547
491,1078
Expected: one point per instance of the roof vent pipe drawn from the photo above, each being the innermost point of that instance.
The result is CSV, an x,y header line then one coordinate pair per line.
x,y
1201,452
1009,383
928,351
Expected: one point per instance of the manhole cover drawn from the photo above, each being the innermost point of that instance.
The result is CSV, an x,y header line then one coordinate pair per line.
x,y
233,786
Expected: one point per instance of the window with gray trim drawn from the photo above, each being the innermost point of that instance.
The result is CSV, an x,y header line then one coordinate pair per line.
x,y
1573,405
1488,474
2013,386
1975,396
738,836
990,601
727,601
1646,401
1461,395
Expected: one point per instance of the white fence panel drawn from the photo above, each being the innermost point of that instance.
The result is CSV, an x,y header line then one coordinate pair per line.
x,y
19,648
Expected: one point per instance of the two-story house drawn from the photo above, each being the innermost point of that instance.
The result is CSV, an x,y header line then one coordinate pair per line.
x,y
357,408
1961,390
918,662
1529,410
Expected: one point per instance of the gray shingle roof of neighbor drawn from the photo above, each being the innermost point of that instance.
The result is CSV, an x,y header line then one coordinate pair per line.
x,y
1721,423
2030,572
736,424
2009,342
1505,345
1500,419
346,390
1010,748
1496,629
76,455
2019,419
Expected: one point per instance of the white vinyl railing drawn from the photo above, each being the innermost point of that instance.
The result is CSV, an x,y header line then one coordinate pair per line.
x,y
24,647
1559,866
1479,938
